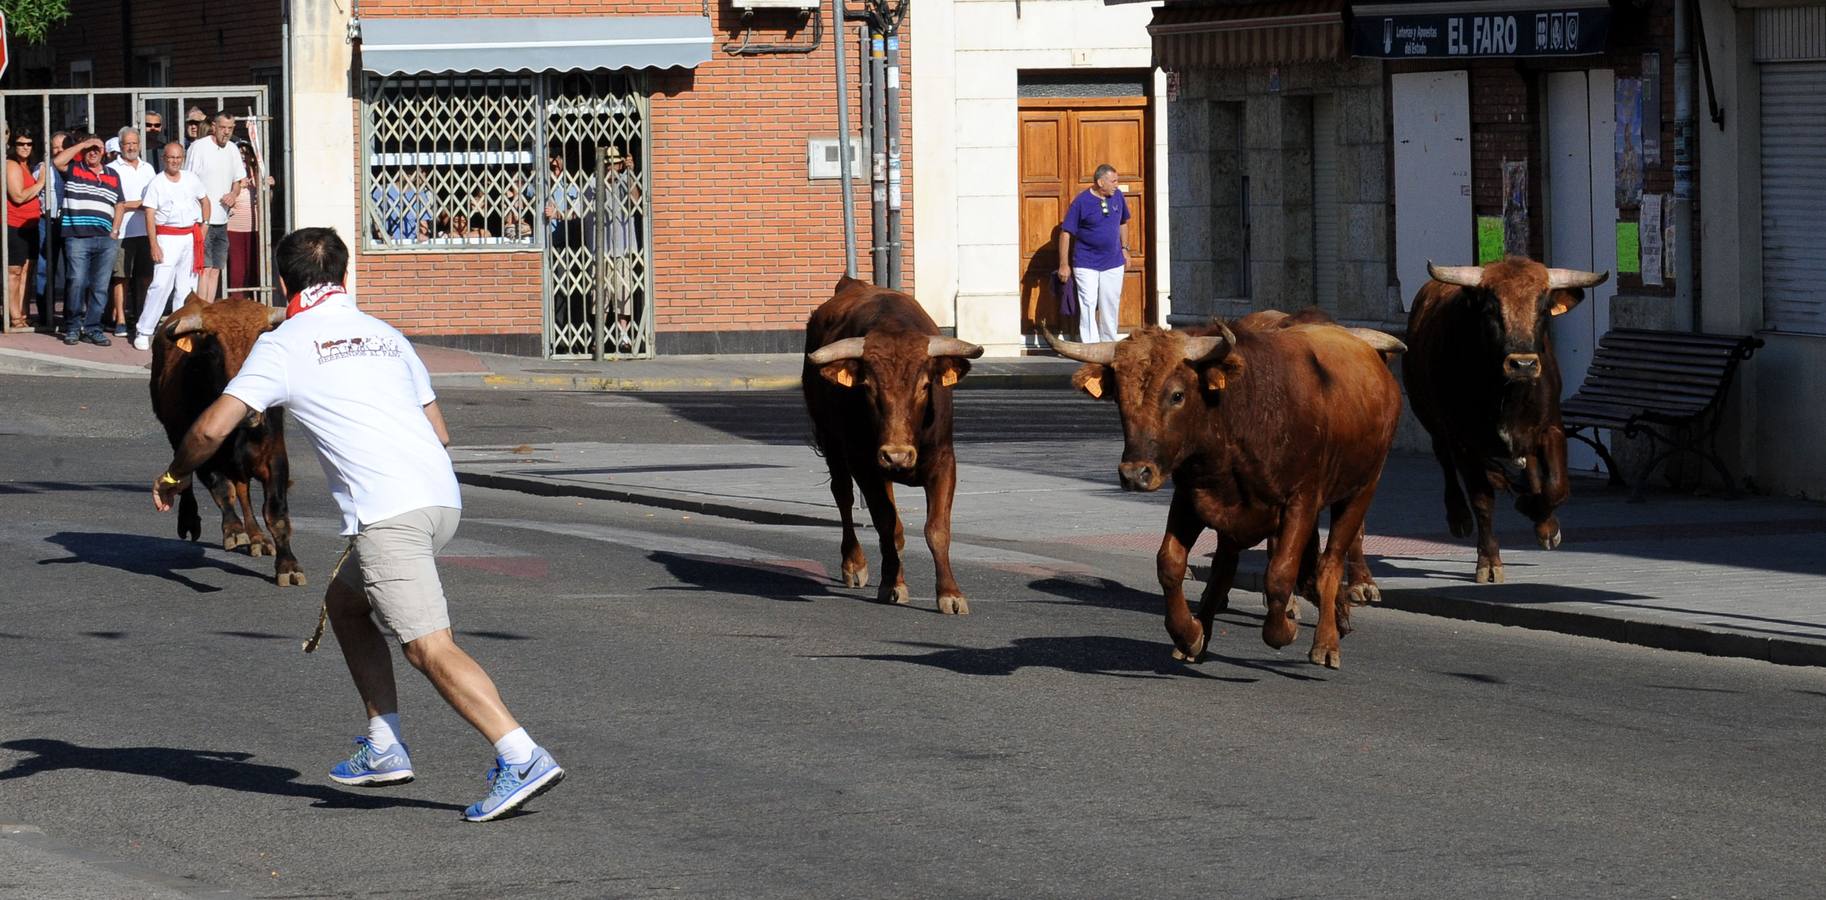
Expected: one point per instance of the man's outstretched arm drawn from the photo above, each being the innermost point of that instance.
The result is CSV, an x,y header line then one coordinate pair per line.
x,y
205,435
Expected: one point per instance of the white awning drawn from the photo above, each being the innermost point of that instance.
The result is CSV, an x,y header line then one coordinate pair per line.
x,y
406,46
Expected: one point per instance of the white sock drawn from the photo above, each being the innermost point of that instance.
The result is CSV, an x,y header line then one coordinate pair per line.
x,y
515,748
383,730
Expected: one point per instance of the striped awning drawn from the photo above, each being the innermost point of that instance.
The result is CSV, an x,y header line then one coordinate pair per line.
x,y
413,46
1256,34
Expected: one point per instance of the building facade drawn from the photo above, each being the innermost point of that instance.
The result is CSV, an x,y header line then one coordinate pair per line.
x,y
524,177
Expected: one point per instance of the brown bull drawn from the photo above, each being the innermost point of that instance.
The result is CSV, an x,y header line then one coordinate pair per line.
x,y
195,353
1261,427
877,380
1482,378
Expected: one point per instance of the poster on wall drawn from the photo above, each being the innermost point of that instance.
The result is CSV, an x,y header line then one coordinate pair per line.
x,y
1515,207
1651,239
1629,143
1629,248
1667,237
1489,240
1651,108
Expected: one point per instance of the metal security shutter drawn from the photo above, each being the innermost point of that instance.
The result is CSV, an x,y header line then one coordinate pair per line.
x,y
1325,201
1794,196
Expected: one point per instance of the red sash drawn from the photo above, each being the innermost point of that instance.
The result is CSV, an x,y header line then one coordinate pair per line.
x,y
196,243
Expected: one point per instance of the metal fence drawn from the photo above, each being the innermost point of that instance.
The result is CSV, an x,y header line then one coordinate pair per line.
x,y
521,162
103,111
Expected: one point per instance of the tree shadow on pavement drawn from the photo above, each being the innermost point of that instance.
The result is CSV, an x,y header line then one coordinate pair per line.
x,y
740,576
1085,655
141,554
228,770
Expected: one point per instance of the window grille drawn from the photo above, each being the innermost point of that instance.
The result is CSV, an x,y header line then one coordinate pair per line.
x,y
451,163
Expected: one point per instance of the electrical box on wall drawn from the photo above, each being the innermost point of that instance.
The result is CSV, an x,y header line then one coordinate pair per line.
x,y
824,161
773,4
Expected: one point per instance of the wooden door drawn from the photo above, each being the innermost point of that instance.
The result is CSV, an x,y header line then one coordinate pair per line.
x,y
1061,143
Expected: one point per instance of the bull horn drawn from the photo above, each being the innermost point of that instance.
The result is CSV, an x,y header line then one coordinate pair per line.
x,y
1463,276
275,316
848,348
938,345
189,323
1102,352
1558,279
1205,347
1384,343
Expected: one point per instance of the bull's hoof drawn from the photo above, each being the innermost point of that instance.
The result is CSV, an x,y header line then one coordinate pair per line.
x,y
290,579
234,540
260,548
856,578
1193,655
1279,631
1550,542
896,594
1489,573
190,531
1362,593
953,605
1330,659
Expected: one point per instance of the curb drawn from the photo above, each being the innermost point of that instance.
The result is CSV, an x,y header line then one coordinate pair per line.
x,y
541,488
1653,635
26,362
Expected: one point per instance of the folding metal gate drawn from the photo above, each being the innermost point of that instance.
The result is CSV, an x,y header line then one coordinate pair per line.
x,y
103,111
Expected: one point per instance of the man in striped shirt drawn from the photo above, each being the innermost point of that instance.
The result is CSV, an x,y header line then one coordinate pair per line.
x,y
92,206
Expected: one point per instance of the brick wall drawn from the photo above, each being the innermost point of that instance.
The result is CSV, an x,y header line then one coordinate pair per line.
x,y
742,240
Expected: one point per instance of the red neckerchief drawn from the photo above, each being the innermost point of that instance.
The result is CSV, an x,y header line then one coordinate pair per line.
x,y
312,297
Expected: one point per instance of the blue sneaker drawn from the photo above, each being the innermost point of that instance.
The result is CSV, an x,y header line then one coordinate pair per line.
x,y
512,786
369,767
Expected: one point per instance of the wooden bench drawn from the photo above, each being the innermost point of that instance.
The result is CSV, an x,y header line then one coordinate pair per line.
x,y
1669,386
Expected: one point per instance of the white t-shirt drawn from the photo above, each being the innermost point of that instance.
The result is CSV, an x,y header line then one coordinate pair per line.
x,y
173,203
133,181
358,388
219,166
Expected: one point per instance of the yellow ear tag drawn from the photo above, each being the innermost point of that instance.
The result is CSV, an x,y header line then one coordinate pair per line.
x,y
1217,380
185,343
844,378
1094,388
949,378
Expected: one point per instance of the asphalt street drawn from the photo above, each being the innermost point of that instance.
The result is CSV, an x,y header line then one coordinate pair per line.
x,y
736,724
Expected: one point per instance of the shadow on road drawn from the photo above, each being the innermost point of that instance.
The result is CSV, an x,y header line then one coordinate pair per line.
x,y
142,554
1084,655
737,576
1096,591
228,770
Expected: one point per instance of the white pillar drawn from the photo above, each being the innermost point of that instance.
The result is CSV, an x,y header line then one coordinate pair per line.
x,y
323,119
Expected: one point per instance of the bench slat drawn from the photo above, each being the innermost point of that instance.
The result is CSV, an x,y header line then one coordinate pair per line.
x,y
1652,386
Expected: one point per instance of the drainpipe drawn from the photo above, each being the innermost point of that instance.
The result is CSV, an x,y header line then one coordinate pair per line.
x,y
843,141
1686,293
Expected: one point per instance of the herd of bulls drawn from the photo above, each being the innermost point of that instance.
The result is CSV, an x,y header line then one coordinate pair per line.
x,y
1263,424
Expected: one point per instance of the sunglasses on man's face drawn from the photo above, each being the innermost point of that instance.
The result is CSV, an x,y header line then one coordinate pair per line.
x,y
197,122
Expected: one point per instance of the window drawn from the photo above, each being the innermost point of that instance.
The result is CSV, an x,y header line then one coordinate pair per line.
x,y
74,110
451,163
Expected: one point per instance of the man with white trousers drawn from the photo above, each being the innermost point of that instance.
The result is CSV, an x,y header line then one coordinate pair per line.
x,y
1092,255
177,204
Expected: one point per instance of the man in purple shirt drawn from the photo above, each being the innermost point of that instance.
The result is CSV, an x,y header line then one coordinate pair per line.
x,y
1092,256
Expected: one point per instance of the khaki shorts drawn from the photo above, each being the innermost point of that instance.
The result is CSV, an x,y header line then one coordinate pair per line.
x,y
394,563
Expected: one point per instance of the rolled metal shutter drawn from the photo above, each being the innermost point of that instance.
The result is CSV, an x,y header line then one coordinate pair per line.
x,y
1325,191
1793,167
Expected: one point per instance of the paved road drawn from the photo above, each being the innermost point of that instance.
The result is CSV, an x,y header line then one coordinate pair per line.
x,y
737,726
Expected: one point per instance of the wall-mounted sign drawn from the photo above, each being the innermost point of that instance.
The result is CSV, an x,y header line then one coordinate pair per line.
x,y
1431,31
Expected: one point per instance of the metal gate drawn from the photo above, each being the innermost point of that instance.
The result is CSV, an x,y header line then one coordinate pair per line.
x,y
598,280
103,111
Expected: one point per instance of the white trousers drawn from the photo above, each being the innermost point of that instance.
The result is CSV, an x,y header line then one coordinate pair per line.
x,y
172,281
1099,299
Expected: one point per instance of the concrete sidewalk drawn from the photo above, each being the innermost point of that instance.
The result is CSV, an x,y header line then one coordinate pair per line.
x,y
1728,577
46,355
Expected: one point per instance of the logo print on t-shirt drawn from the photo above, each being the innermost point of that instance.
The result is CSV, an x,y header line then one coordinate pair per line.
x,y
346,348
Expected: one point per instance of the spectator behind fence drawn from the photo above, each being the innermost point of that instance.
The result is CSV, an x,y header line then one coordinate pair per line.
x,y
92,206
217,163
244,225
50,232
24,210
133,256
196,125
176,203
152,138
